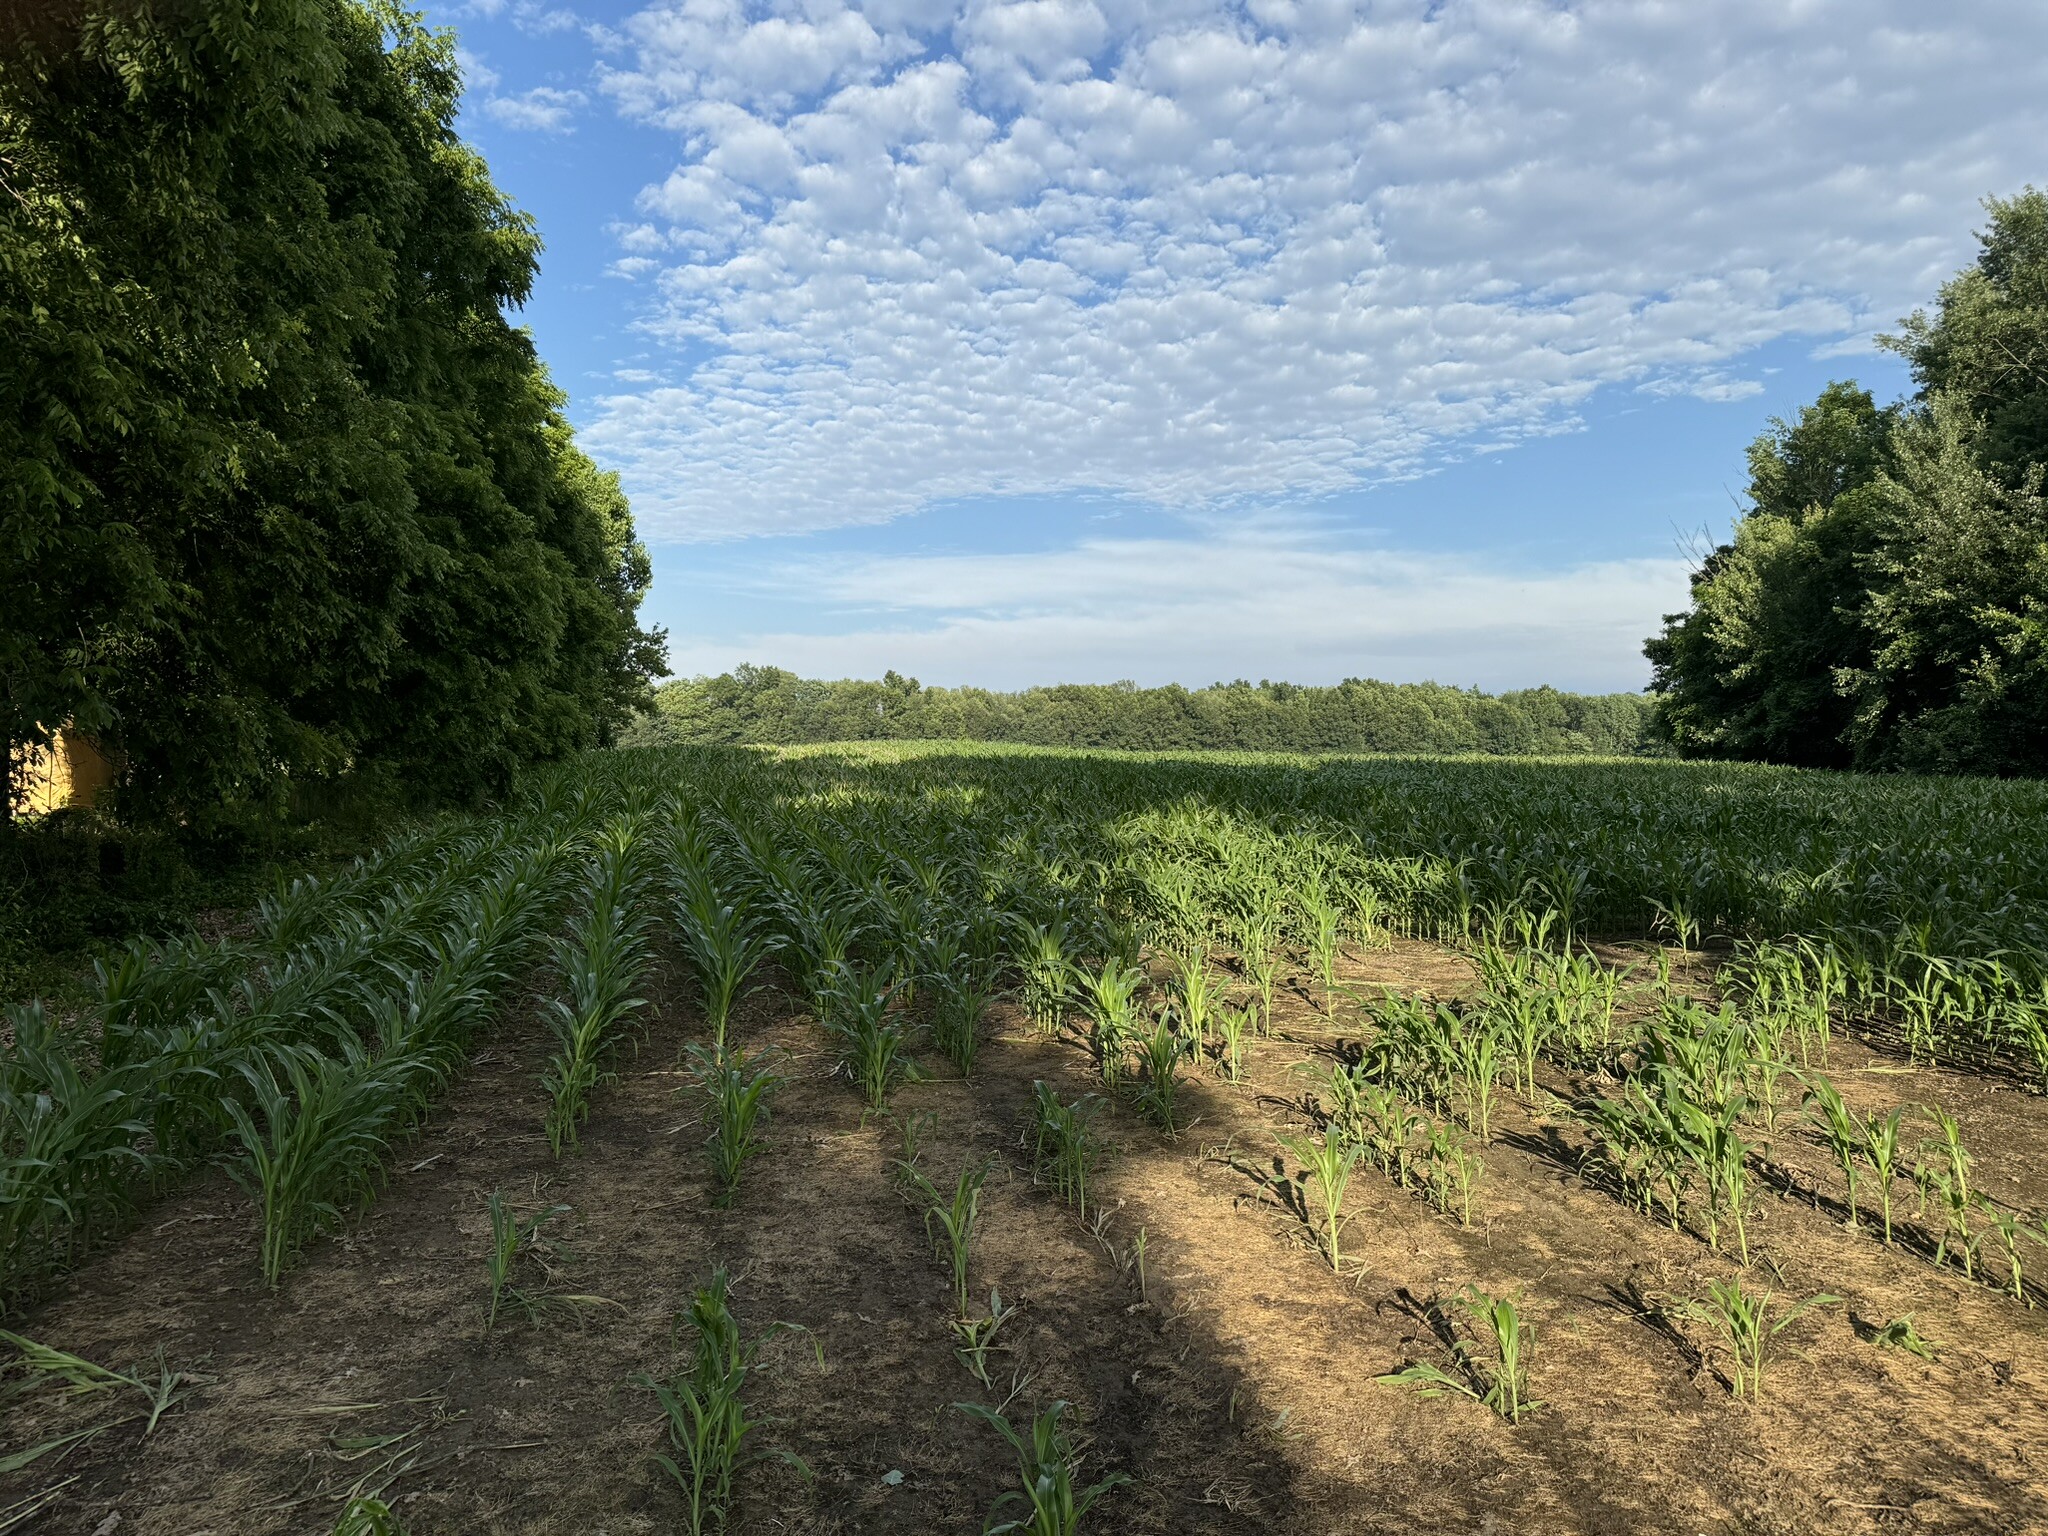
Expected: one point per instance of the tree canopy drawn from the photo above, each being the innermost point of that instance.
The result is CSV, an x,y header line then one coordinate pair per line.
x,y
282,490
1884,601
771,706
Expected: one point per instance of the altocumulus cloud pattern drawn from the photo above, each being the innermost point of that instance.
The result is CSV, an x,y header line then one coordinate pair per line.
x,y
1202,254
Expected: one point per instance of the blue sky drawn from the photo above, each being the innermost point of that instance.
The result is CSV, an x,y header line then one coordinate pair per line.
x,y
1021,341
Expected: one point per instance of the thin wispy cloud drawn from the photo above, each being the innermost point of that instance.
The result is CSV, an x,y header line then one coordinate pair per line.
x,y
1275,597
543,109
1202,254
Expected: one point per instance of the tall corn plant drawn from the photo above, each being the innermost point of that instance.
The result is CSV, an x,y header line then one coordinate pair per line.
x,y
69,1146
725,941
601,963
311,1142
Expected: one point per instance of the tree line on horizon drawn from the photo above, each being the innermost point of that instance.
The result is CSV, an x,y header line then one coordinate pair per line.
x,y
1883,604
284,494
771,706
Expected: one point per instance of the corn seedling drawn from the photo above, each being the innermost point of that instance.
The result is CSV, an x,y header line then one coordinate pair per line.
x,y
1198,991
1323,925
1257,935
1946,1178
710,1428
1496,1374
1048,974
1900,1333
872,1039
949,1220
2010,1228
1880,1136
1049,1463
160,1386
725,943
1454,1168
368,1517
1838,1127
1232,1025
735,1091
1065,1144
1743,1323
517,1241
975,1335
1327,1165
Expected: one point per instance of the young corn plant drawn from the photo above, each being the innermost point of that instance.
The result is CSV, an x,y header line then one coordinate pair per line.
x,y
950,1220
1899,1333
1066,1146
160,1385
1327,1165
725,942
1197,990
1881,1150
735,1090
519,1243
1043,953
1109,998
1839,1129
976,1335
601,965
1162,1049
874,1043
1743,1323
1944,1174
1323,928
321,1139
962,995
1454,1169
365,1516
710,1428
1258,936
1053,1500
1493,1363
1231,1027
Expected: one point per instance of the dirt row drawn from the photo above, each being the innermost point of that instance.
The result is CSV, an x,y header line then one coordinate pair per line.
x,y
1235,1386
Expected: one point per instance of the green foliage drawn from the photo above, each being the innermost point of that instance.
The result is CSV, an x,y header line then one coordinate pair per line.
x,y
735,1091
1492,1362
1884,603
710,1428
767,704
1049,1463
281,489
1066,1145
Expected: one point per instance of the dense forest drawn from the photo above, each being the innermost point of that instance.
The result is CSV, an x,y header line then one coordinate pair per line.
x,y
769,705
1884,602
283,493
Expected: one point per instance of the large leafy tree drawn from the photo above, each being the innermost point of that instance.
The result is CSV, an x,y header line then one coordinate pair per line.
x,y
1750,671
282,490
1884,604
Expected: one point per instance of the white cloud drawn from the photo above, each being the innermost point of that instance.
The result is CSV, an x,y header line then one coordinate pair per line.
x,y
1199,253
1268,597
543,109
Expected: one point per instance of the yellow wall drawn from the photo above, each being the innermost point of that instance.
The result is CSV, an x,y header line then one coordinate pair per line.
x,y
72,772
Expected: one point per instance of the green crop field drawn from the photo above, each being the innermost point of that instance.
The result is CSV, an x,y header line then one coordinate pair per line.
x,y
897,1136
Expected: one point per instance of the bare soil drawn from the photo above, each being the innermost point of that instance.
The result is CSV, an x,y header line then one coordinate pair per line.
x,y
1232,1375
